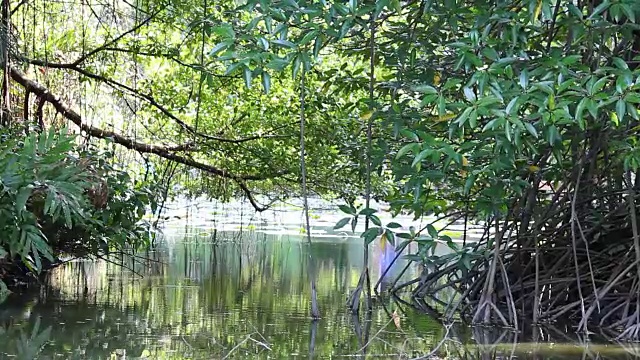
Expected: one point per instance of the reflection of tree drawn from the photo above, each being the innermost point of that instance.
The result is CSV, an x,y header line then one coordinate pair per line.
x,y
538,343
210,300
24,343
205,300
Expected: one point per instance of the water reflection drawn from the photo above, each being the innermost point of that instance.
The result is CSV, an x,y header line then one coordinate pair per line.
x,y
245,299
201,300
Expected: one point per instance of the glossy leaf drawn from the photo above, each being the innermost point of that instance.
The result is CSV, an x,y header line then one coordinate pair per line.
x,y
340,224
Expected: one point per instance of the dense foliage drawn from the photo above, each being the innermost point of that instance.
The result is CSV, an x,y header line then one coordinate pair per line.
x,y
145,73
477,107
521,116
60,200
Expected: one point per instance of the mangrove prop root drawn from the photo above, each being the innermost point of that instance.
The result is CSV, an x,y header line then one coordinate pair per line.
x,y
579,260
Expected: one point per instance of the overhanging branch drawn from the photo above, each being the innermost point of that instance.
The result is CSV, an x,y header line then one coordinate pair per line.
x,y
148,98
159,150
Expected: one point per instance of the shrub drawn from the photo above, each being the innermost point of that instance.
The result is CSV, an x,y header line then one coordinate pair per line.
x,y
60,199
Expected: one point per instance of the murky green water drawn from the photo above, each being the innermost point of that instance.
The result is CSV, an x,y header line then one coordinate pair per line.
x,y
246,299
245,296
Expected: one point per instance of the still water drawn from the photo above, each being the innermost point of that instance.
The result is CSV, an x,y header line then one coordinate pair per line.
x,y
244,294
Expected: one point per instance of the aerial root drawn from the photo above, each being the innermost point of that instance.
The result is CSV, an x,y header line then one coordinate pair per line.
x,y
586,270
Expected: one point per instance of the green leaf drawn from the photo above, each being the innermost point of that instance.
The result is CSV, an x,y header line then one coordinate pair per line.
x,y
367,211
632,98
347,209
421,156
308,36
531,129
432,231
394,225
508,70
473,117
620,64
409,134
490,53
252,24
490,125
592,106
225,30
631,110
395,5
600,8
232,68
469,183
388,234
621,108
264,43
629,12
413,257
67,216
342,223
575,11
405,149
297,61
370,234
277,64
317,45
23,197
425,89
266,81
598,85
469,94
36,257
403,245
220,47
507,131
464,116
375,220
268,21
283,43
580,111
554,135
543,87
248,76
442,106
466,261
524,79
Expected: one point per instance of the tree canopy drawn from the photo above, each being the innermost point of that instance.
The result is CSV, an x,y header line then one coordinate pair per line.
x,y
519,114
146,76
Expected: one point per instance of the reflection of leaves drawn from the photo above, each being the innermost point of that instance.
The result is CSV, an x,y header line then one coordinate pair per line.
x,y
28,348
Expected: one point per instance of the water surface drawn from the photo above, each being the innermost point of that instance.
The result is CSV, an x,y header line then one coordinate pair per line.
x,y
243,293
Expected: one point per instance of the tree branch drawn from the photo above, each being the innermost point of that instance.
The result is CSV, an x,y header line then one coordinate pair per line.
x,y
116,39
162,151
171,57
148,98
17,7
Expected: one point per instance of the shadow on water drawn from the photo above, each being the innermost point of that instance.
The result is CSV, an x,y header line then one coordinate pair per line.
x,y
246,299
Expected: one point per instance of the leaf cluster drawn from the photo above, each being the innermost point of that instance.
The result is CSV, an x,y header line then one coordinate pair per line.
x,y
60,199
